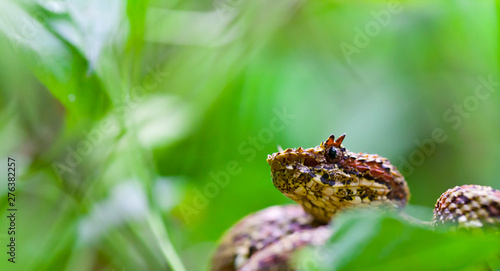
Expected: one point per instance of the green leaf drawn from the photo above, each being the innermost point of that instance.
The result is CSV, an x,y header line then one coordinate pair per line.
x,y
54,62
99,31
370,240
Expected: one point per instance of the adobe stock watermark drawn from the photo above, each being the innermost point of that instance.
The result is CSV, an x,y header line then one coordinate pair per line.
x,y
75,155
152,79
220,180
455,116
363,36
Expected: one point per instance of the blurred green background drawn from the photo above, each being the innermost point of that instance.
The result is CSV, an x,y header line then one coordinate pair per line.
x,y
141,129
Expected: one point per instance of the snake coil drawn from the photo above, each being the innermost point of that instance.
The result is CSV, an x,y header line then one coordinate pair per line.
x,y
325,180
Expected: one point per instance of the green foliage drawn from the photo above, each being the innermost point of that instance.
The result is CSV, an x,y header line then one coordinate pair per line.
x,y
370,240
141,128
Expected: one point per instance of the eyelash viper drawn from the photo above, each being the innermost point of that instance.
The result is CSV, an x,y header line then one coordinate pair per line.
x,y
325,180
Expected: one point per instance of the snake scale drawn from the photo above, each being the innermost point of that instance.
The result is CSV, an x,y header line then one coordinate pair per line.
x,y
325,180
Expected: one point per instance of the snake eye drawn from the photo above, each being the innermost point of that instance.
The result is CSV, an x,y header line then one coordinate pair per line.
x,y
332,153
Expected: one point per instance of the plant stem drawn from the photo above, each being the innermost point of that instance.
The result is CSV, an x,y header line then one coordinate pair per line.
x,y
167,249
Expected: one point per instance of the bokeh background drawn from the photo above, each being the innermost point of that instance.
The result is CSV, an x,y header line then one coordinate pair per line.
x,y
141,129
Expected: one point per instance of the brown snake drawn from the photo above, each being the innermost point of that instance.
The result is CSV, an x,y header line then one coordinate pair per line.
x,y
327,179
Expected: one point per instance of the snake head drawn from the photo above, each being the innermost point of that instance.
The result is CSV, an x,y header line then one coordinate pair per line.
x,y
327,153
327,178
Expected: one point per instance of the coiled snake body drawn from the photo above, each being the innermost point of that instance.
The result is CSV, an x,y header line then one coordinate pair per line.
x,y
327,179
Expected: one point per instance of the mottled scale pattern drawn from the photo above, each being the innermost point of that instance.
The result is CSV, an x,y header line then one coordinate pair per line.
x,y
468,206
329,178
264,240
323,180
278,255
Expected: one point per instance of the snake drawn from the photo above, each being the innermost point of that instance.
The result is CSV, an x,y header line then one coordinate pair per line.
x,y
326,180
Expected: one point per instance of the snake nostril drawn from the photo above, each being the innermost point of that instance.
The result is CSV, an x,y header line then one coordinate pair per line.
x,y
310,162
